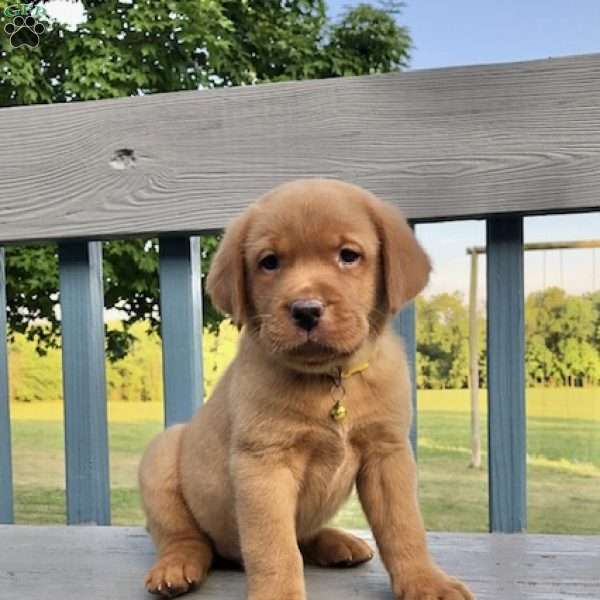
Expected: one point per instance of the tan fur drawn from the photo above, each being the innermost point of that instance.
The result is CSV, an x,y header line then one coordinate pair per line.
x,y
262,467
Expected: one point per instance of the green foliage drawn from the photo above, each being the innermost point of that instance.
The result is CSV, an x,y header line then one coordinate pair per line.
x,y
136,377
126,49
562,341
33,379
31,291
561,332
442,342
131,284
368,40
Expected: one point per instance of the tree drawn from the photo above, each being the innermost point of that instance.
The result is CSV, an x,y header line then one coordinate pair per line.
x,y
595,333
126,49
442,342
540,363
562,340
562,347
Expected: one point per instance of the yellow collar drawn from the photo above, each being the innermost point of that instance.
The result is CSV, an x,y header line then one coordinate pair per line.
x,y
354,370
339,411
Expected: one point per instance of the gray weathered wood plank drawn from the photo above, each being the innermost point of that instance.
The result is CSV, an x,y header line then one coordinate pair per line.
x,y
181,327
6,479
506,375
444,143
108,563
84,382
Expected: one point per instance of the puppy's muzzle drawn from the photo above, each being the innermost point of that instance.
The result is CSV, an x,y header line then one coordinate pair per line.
x,y
306,313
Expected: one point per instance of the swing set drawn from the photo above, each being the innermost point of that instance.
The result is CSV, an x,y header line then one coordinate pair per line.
x,y
474,252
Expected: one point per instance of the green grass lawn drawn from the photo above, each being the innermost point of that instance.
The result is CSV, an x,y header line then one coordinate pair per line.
x,y
563,474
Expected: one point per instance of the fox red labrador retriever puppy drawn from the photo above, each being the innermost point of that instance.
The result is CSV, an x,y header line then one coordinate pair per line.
x,y
317,400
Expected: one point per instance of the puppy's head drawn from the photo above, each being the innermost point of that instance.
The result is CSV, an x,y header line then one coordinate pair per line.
x,y
315,268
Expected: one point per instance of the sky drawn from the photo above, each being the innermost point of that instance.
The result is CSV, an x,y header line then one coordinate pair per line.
x,y
466,32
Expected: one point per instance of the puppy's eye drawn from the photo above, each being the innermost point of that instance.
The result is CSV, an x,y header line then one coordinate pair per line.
x,y
348,256
270,262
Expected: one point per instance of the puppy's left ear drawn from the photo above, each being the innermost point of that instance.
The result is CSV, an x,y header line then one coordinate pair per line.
x,y
226,280
406,266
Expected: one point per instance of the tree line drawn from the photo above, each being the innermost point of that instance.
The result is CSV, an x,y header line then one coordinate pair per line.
x,y
562,340
562,349
135,377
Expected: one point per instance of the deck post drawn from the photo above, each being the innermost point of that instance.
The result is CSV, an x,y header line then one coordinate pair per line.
x,y
405,326
84,383
506,375
6,479
181,326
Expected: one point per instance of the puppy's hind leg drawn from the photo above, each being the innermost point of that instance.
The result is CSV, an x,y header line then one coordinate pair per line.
x,y
184,552
335,548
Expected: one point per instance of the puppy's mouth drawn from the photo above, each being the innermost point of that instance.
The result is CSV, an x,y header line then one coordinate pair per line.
x,y
313,349
313,353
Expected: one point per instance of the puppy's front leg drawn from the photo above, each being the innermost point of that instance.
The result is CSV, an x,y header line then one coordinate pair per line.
x,y
266,497
387,486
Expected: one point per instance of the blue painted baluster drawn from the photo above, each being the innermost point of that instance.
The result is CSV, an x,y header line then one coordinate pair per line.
x,y
84,383
405,326
181,327
506,375
6,480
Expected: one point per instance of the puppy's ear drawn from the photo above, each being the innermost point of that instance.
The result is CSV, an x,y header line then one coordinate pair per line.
x,y
406,266
226,281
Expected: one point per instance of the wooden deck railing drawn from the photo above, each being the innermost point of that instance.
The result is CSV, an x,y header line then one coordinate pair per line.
x,y
495,142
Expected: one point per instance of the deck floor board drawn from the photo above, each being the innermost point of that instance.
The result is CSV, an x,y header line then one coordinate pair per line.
x,y
108,563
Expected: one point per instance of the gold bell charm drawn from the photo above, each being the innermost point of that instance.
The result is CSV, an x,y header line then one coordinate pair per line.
x,y
338,412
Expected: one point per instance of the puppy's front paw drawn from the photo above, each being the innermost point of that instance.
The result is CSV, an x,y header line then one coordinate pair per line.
x,y
175,574
429,583
335,548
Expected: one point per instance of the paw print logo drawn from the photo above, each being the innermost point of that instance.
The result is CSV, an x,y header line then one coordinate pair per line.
x,y
24,32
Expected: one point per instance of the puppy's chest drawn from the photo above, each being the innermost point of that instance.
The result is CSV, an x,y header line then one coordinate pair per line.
x,y
326,455
325,474
329,460
333,418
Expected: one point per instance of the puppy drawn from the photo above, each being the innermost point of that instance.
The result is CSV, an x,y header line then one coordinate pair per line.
x,y
317,400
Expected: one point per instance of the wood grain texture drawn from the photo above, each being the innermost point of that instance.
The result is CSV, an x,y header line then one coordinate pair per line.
x,y
84,382
507,447
445,143
108,563
181,327
6,479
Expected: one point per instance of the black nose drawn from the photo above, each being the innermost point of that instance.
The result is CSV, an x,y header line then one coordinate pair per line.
x,y
306,313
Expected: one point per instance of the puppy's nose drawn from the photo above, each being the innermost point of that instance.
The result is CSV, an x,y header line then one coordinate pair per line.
x,y
306,313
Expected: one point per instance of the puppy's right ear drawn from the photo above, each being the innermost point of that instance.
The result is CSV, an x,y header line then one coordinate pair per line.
x,y
226,281
406,266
